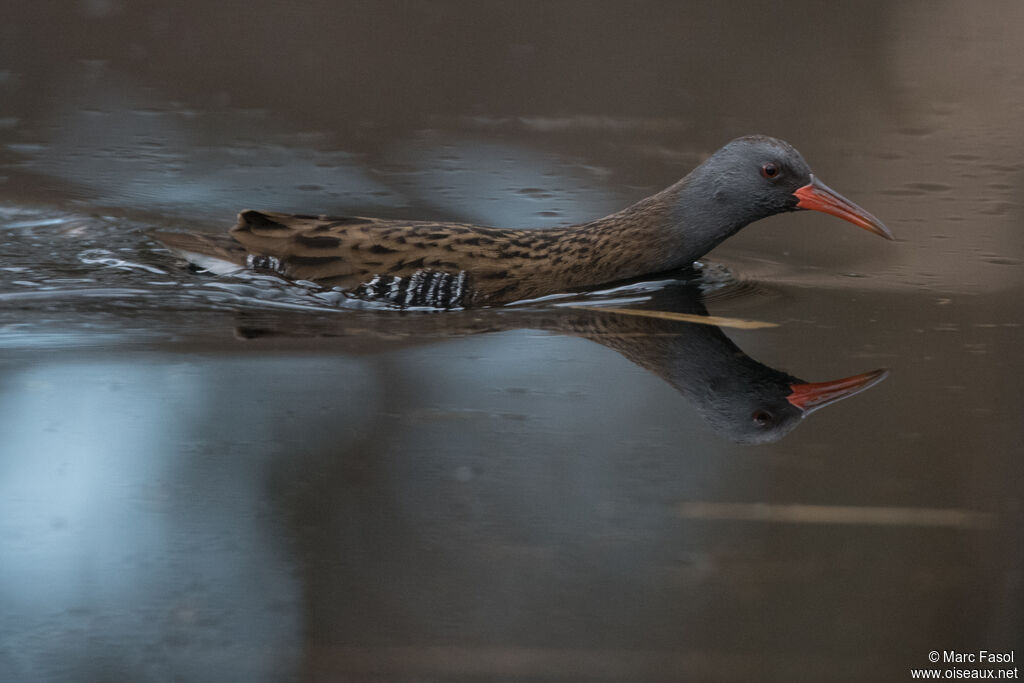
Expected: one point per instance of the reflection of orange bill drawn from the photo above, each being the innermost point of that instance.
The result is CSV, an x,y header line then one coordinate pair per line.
x,y
811,396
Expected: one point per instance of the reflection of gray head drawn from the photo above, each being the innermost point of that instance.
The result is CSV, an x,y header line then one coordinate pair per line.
x,y
751,403
740,398
750,409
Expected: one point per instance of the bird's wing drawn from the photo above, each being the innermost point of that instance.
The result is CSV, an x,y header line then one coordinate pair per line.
x,y
302,247
411,263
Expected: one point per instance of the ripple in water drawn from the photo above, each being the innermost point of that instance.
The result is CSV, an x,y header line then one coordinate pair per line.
x,y
105,257
720,283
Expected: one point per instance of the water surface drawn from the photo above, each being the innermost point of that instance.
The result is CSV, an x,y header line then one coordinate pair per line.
x,y
238,478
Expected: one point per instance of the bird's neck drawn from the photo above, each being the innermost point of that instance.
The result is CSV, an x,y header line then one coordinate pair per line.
x,y
665,231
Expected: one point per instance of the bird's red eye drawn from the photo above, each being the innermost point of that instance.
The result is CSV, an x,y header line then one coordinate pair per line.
x,y
762,418
770,170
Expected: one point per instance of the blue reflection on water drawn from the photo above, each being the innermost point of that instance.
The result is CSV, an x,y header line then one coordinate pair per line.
x,y
108,543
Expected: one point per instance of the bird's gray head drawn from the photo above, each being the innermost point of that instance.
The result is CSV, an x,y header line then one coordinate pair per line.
x,y
751,178
758,175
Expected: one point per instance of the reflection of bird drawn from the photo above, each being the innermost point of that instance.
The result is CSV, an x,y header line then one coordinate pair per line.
x,y
742,399
449,265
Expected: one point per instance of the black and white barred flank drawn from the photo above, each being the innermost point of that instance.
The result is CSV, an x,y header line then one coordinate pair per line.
x,y
259,262
436,289
428,288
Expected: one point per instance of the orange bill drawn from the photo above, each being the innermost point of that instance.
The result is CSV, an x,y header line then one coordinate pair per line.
x,y
818,196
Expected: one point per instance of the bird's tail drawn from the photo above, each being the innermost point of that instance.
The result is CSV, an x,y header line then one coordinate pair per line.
x,y
215,253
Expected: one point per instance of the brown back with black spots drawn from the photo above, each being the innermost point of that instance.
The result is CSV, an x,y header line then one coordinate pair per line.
x,y
499,264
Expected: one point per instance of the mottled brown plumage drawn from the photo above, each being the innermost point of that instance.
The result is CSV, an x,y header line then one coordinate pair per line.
x,y
446,265
500,265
